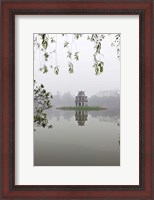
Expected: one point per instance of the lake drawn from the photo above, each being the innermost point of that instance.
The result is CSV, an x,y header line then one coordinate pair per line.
x,y
78,138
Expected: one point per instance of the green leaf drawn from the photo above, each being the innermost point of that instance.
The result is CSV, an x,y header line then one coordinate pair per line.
x,y
44,44
71,70
70,67
46,55
42,36
76,56
66,44
69,54
102,36
88,37
96,70
98,47
52,40
56,70
44,69
77,36
50,126
101,69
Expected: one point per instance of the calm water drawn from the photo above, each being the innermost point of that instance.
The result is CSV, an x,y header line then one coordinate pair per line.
x,y
78,139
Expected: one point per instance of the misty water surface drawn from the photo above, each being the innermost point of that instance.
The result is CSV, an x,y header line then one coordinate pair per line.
x,y
78,139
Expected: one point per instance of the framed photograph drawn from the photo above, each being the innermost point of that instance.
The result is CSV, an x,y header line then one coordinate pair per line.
x,y
77,99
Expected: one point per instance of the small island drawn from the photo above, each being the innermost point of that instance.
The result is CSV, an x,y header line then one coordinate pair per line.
x,y
88,108
81,102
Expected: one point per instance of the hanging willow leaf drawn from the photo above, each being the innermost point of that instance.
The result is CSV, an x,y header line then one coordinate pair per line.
x,y
76,56
101,65
44,44
101,69
52,40
77,36
56,70
70,67
96,70
50,126
69,54
46,55
71,70
44,69
66,44
98,47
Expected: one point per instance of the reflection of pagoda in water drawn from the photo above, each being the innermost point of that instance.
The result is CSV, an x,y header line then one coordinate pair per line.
x,y
81,99
81,116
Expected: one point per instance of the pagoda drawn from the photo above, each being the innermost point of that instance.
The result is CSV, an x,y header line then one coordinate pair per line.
x,y
81,99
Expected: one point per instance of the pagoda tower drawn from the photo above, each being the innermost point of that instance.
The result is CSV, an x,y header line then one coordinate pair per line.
x,y
81,99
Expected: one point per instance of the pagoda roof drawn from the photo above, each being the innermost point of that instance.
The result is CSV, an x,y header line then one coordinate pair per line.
x,y
81,93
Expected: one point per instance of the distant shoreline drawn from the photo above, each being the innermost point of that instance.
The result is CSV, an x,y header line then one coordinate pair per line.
x,y
81,108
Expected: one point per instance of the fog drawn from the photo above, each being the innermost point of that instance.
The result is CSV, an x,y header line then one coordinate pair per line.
x,y
106,98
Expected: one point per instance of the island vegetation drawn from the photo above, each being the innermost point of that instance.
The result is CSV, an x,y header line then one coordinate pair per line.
x,y
88,108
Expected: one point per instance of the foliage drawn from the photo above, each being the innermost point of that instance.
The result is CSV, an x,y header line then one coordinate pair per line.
x,y
45,41
41,103
117,44
44,69
98,63
82,108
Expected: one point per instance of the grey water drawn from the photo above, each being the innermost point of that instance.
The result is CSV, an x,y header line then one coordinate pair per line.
x,y
82,138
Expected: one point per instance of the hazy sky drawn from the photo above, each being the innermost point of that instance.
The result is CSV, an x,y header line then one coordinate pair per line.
x,y
84,77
